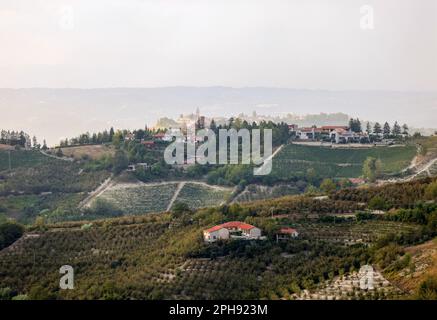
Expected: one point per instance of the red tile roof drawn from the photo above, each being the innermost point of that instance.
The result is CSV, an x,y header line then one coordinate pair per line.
x,y
215,228
231,225
334,127
287,230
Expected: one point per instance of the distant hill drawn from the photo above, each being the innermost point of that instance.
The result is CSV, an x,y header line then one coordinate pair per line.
x,y
57,113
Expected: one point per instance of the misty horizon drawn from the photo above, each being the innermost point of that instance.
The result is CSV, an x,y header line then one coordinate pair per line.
x,y
55,114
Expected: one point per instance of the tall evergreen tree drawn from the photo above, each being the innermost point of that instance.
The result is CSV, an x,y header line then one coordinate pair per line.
x,y
368,128
377,128
386,130
405,129
396,129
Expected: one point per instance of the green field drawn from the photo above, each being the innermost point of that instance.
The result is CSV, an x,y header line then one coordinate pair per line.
x,y
137,199
198,196
295,160
141,198
21,158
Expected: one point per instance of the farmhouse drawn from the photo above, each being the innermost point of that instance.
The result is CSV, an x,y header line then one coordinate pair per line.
x,y
286,234
233,229
308,133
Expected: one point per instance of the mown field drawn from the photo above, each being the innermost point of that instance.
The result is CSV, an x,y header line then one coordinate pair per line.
x,y
295,160
94,152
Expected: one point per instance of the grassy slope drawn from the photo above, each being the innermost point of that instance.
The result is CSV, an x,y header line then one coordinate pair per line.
x,y
21,158
295,160
423,265
94,152
35,174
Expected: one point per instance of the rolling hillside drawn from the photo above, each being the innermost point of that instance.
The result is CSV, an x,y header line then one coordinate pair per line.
x,y
163,256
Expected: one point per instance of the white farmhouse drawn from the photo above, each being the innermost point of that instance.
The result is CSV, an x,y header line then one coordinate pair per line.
x,y
215,233
233,229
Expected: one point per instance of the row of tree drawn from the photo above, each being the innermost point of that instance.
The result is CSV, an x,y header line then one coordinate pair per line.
x,y
386,130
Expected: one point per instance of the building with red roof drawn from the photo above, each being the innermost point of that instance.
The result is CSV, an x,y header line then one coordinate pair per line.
x,y
286,233
235,229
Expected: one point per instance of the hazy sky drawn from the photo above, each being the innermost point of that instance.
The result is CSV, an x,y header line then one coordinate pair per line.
x,y
314,44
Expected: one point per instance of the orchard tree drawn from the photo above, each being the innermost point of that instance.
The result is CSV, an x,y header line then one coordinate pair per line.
x,y
328,186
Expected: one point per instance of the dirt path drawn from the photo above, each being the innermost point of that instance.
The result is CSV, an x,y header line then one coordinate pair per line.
x,y
423,169
94,194
56,157
269,160
175,195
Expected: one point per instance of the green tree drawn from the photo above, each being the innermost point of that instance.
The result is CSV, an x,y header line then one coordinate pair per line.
x,y
328,186
431,191
377,203
59,152
396,129
179,208
405,129
9,233
428,289
117,139
386,130
372,168
368,128
119,162
377,128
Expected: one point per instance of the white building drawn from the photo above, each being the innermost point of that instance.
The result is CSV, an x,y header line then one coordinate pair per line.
x,y
233,229
215,233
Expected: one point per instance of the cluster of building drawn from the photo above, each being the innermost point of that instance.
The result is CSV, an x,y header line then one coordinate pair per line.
x,y
243,231
334,134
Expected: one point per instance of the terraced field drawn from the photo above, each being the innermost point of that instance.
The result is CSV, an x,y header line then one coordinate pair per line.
x,y
199,195
348,287
353,232
295,160
140,198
